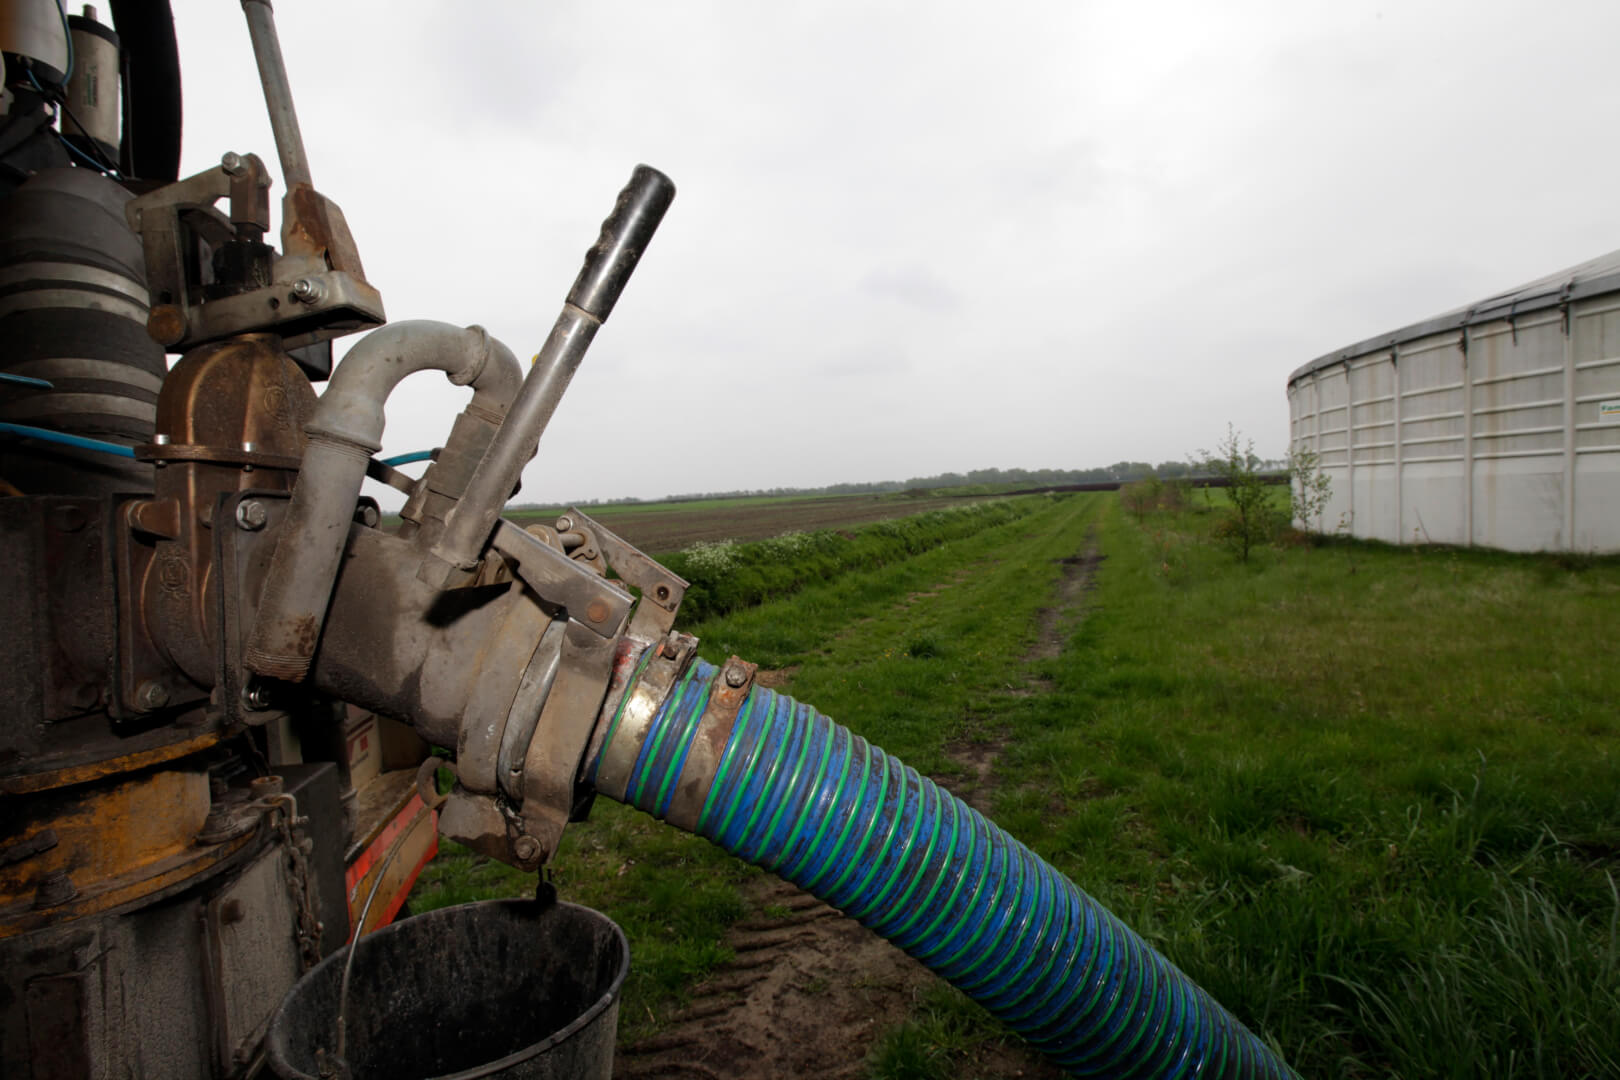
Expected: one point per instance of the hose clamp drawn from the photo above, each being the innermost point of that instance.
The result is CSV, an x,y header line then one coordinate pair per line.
x,y
641,704
732,685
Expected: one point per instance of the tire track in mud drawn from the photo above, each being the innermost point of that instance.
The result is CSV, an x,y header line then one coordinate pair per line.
x,y
806,995
1055,623
809,992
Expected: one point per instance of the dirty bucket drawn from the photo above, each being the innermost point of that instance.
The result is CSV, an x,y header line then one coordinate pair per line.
x,y
503,988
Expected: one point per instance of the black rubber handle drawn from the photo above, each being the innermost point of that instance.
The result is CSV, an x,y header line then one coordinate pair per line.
x,y
625,235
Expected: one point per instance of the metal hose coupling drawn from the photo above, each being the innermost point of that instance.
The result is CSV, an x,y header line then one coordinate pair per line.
x,y
771,780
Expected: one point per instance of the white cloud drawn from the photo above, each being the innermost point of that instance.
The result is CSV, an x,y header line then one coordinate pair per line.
x,y
921,237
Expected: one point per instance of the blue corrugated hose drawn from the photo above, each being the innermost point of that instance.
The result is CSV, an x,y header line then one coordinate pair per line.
x,y
804,797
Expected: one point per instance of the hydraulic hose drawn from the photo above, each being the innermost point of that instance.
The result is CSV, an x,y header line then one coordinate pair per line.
x,y
774,782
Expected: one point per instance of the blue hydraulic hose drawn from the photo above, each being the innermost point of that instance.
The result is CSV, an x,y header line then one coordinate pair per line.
x,y
804,797
406,459
76,441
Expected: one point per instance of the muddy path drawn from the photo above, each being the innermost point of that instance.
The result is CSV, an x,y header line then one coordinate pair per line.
x,y
810,992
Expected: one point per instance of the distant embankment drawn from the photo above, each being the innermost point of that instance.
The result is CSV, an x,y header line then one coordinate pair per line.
x,y
1278,478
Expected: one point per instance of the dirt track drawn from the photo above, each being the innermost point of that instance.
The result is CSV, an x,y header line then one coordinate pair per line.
x,y
810,991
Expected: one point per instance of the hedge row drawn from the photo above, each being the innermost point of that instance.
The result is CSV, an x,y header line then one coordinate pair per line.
x,y
728,576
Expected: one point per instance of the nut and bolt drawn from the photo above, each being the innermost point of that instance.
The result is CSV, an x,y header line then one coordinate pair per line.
x,y
251,515
151,695
526,848
368,516
262,787
54,888
565,524
232,163
256,696
306,290
736,675
671,647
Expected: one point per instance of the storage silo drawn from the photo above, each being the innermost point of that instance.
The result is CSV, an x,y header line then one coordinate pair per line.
x,y
1495,425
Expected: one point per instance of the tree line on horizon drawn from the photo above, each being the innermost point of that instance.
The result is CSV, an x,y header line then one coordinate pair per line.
x,y
1119,471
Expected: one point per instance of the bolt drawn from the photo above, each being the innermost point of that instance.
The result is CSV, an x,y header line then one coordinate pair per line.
x,y
256,697
565,524
54,888
232,163
526,848
671,646
263,787
367,515
215,825
166,324
68,519
251,515
151,695
306,290
596,611
735,676
662,592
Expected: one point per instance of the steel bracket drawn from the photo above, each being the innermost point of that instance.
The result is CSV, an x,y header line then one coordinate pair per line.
x,y
661,590
594,602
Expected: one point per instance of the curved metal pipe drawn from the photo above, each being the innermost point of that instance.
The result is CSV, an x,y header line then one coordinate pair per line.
x,y
344,432
772,781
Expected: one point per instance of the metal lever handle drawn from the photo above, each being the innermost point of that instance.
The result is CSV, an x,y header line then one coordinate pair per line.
x,y
608,265
624,237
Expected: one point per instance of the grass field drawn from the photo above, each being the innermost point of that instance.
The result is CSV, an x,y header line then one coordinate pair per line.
x,y
1368,797
664,527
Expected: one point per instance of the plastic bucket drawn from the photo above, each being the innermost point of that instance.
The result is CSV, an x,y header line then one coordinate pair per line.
x,y
503,988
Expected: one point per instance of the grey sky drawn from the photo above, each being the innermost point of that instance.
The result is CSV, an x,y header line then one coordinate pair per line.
x,y
921,237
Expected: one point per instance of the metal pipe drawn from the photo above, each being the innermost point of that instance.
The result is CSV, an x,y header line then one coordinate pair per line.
x,y
344,432
278,100
607,268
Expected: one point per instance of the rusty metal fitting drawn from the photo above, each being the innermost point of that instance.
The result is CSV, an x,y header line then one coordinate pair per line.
x,y
427,781
232,163
526,848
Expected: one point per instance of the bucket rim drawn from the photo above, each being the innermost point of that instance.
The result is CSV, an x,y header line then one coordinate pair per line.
x,y
276,1036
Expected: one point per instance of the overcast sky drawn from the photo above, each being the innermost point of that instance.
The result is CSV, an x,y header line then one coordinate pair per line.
x,y
911,238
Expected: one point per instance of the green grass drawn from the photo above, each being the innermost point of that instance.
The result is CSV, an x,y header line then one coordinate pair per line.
x,y
1369,797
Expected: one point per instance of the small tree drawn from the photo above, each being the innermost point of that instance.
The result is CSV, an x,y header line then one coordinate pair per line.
x,y
1252,519
1308,487
1140,496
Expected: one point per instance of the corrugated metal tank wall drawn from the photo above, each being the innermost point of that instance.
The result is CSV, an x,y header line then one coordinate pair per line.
x,y
1497,426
